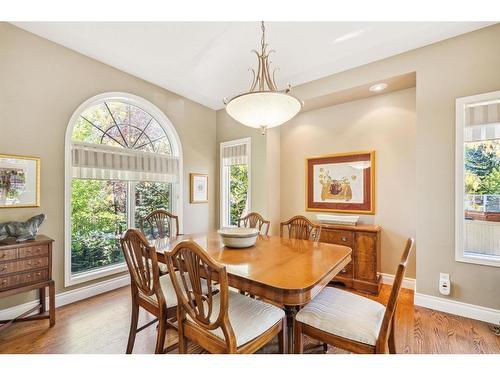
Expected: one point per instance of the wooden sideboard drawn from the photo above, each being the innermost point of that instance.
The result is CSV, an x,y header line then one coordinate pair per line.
x,y
27,266
364,240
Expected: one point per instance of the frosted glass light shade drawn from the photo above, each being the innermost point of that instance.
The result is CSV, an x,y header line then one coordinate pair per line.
x,y
263,108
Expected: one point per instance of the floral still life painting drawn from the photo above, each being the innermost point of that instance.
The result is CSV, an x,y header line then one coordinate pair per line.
x,y
342,183
19,181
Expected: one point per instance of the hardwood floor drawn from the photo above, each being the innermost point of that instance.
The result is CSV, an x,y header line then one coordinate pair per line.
x,y
100,325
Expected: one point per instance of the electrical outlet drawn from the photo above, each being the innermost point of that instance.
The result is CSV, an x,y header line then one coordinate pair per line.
x,y
444,284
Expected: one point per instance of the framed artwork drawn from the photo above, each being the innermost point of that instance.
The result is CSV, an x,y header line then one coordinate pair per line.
x,y
198,188
19,181
341,183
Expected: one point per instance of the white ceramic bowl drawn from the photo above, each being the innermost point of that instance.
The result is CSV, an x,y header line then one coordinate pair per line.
x,y
238,238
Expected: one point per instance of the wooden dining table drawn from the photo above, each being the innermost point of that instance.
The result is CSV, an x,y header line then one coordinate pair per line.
x,y
286,272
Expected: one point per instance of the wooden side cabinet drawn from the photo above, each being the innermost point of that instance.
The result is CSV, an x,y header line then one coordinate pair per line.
x,y
27,266
364,240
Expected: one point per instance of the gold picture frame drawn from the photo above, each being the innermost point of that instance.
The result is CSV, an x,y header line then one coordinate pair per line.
x,y
198,188
14,166
367,204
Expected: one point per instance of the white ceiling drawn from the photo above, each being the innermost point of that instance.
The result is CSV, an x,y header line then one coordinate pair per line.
x,y
207,61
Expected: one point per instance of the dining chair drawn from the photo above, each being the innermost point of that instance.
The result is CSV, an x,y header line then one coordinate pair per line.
x,y
255,220
152,292
223,322
158,224
350,321
301,228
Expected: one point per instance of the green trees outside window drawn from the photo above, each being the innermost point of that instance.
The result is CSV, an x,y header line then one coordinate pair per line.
x,y
99,215
482,175
238,191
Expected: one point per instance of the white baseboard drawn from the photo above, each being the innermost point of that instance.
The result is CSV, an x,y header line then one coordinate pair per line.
x,y
408,283
70,296
467,310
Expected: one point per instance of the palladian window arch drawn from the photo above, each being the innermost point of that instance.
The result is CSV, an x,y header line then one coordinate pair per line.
x,y
123,160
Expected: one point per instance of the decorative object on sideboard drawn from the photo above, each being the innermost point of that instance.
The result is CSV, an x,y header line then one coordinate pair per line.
x,y
21,231
198,188
337,219
341,183
19,181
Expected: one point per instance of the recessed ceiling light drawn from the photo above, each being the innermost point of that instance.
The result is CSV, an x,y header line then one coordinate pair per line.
x,y
378,87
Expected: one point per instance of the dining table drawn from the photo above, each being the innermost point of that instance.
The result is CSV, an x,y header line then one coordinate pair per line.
x,y
284,271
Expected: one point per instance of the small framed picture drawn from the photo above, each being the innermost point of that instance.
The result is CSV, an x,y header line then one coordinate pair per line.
x,y
19,181
341,183
198,188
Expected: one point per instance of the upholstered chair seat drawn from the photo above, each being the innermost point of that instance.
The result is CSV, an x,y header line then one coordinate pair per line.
x,y
249,317
344,314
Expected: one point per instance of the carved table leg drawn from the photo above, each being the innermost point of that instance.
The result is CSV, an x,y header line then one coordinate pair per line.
x,y
290,312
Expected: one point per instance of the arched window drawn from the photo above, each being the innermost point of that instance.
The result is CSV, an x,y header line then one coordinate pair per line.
x,y
123,160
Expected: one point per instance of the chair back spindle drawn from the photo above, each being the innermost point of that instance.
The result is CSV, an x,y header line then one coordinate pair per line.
x,y
142,262
255,220
301,228
159,224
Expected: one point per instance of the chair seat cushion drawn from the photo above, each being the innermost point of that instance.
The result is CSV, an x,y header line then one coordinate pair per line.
x,y
344,314
249,317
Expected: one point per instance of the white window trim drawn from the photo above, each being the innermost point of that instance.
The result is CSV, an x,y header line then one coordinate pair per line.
x,y
223,176
460,105
177,189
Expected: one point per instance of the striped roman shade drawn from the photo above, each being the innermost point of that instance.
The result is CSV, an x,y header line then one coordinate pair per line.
x,y
482,122
103,162
235,154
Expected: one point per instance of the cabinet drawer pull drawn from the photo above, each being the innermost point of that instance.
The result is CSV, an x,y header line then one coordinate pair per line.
x,y
4,281
3,255
3,268
344,239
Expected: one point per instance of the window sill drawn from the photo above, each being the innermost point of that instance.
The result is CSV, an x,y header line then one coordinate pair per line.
x,y
483,260
82,277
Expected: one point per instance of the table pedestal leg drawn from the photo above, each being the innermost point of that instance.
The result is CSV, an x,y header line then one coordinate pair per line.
x,y
290,312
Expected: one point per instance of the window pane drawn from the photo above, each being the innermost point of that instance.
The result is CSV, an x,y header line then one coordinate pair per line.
x,y
238,192
98,218
120,124
150,196
482,190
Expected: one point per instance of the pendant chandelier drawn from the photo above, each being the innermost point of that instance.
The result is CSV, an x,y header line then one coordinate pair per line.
x,y
263,106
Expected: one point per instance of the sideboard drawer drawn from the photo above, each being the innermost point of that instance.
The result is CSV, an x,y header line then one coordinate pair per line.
x,y
32,277
8,254
33,251
23,265
7,282
338,237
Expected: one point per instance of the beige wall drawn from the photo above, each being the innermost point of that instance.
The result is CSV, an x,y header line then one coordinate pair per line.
x,y
41,84
386,124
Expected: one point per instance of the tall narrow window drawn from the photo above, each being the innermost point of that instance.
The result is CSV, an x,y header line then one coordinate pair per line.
x,y
478,179
235,180
124,163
